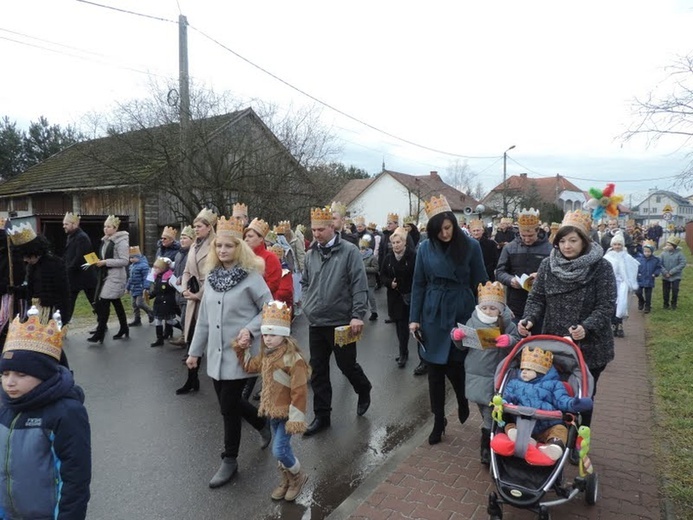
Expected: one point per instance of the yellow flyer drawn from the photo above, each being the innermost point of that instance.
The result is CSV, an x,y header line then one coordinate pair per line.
x,y
343,336
487,337
91,258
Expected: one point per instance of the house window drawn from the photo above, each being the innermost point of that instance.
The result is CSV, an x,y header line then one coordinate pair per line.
x,y
658,198
4,205
21,204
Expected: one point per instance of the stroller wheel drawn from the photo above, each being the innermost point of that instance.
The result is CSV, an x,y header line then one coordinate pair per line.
x,y
544,513
591,489
494,509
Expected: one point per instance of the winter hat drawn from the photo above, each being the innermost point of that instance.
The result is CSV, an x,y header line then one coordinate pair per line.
x,y
162,263
32,348
674,241
618,239
276,319
649,244
493,293
536,359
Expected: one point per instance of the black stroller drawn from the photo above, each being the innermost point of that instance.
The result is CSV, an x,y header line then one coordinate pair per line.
x,y
523,485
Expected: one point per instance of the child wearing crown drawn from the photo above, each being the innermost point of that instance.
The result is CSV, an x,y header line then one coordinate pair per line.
x,y
538,385
480,365
164,295
284,393
45,437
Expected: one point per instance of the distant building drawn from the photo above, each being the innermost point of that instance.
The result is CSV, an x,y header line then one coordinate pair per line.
x,y
665,207
394,192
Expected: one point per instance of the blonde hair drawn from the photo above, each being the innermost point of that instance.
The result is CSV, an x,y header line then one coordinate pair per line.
x,y
244,256
291,348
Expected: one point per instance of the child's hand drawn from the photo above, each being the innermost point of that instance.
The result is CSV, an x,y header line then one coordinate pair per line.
x,y
457,334
582,404
503,341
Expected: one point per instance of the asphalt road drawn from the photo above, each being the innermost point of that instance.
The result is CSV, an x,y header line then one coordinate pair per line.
x,y
154,452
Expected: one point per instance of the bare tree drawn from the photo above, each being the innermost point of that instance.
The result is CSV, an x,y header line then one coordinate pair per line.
x,y
667,111
460,176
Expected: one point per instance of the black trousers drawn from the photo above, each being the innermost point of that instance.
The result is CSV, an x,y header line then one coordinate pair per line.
x,y
321,340
670,287
587,416
233,409
103,311
644,295
89,292
402,329
454,371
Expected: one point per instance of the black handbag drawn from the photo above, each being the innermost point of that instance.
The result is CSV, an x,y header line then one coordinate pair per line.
x,y
193,285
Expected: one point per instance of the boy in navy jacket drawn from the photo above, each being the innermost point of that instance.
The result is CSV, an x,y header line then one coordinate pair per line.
x,y
650,267
45,437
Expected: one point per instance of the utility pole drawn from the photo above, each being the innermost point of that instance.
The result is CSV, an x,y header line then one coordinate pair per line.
x,y
184,88
505,175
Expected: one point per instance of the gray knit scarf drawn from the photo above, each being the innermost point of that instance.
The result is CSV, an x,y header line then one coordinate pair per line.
x,y
222,280
575,270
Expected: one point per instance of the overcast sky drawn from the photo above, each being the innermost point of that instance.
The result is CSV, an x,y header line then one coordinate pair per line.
x,y
466,79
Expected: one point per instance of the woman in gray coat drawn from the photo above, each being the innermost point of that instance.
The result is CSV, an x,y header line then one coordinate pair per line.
x,y
230,311
575,294
112,279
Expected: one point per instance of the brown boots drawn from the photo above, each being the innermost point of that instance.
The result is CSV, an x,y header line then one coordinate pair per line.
x,y
290,486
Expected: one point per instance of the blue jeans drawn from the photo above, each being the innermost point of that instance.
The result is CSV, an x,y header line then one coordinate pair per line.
x,y
281,443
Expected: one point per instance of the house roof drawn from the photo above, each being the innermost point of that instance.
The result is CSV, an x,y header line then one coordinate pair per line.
x,y
113,161
426,186
548,188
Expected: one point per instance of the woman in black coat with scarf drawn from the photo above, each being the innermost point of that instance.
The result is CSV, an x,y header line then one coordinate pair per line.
x,y
575,294
397,274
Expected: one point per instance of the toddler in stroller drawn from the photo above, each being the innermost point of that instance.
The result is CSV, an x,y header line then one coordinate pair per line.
x,y
541,388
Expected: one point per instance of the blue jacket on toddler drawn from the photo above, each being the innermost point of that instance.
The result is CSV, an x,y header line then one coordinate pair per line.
x,y
650,266
138,276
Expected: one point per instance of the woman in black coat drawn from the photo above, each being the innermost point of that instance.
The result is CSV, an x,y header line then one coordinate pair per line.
x,y
397,274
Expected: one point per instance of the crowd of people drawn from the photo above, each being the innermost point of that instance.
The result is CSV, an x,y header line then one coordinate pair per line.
x,y
240,283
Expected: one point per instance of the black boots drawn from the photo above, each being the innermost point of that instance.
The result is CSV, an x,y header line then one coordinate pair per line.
x,y
97,337
485,451
225,473
123,332
438,429
159,337
168,331
192,384
248,388
137,322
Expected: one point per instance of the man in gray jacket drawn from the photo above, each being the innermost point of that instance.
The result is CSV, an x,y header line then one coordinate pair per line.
x,y
335,293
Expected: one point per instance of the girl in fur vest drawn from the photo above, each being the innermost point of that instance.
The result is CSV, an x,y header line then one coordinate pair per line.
x,y
285,375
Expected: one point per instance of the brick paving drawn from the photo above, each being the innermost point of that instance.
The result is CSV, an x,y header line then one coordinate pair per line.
x,y
447,481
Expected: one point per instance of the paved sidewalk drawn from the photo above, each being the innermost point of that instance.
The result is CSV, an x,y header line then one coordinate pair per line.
x,y
447,481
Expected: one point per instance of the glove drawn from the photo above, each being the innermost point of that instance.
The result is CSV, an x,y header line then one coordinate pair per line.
x,y
582,404
503,341
457,334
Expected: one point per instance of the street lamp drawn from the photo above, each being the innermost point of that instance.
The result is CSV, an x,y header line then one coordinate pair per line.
x,y
505,174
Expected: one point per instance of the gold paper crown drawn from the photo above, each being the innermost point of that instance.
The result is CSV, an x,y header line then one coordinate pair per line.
x,y
22,234
506,220
239,210
393,217
321,216
578,219
162,263
372,225
189,232
232,226
32,336
436,205
536,359
276,318
134,250
476,224
277,250
112,220
650,243
360,221
555,225
491,292
71,218
282,227
208,216
528,218
630,223
339,208
409,220
169,232
259,226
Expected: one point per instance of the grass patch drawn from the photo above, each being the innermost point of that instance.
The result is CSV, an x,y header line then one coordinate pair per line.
x,y
84,317
670,349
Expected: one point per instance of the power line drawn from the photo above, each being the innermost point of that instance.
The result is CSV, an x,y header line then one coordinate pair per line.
x,y
327,105
128,12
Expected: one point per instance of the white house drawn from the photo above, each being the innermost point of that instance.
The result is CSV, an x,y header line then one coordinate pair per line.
x,y
394,192
665,207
